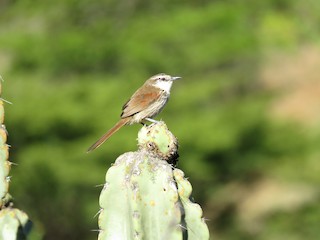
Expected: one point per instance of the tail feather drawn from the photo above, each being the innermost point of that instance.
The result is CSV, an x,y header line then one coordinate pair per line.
x,y
108,134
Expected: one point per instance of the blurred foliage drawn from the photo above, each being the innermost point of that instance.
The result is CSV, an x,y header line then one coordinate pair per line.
x,y
70,65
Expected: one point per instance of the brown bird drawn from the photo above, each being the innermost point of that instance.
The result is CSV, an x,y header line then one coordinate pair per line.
x,y
144,104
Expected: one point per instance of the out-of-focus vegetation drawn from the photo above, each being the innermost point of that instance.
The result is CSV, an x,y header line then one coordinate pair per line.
x,y
246,111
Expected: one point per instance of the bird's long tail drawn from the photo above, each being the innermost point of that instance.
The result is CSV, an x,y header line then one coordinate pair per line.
x,y
108,134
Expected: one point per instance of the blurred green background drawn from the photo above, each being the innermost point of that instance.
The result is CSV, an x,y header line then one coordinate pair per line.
x,y
246,112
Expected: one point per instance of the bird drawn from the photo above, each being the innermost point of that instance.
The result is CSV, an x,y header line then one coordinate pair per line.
x,y
144,104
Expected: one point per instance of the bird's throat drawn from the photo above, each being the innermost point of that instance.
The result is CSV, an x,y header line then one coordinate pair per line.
x,y
164,85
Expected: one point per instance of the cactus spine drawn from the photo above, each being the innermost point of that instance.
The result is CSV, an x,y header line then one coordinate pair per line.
x,y
145,197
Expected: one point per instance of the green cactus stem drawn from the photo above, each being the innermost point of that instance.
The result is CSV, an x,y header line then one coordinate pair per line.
x,y
14,224
4,163
145,197
195,224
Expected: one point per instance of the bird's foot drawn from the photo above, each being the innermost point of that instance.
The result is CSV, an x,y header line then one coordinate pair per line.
x,y
151,120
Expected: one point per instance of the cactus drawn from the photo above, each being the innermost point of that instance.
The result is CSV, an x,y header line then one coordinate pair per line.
x,y
145,197
14,224
4,163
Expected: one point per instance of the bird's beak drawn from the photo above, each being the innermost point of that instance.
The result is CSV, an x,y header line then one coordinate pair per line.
x,y
175,78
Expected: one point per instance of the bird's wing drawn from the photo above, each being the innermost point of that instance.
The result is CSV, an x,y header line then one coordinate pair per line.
x,y
139,101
